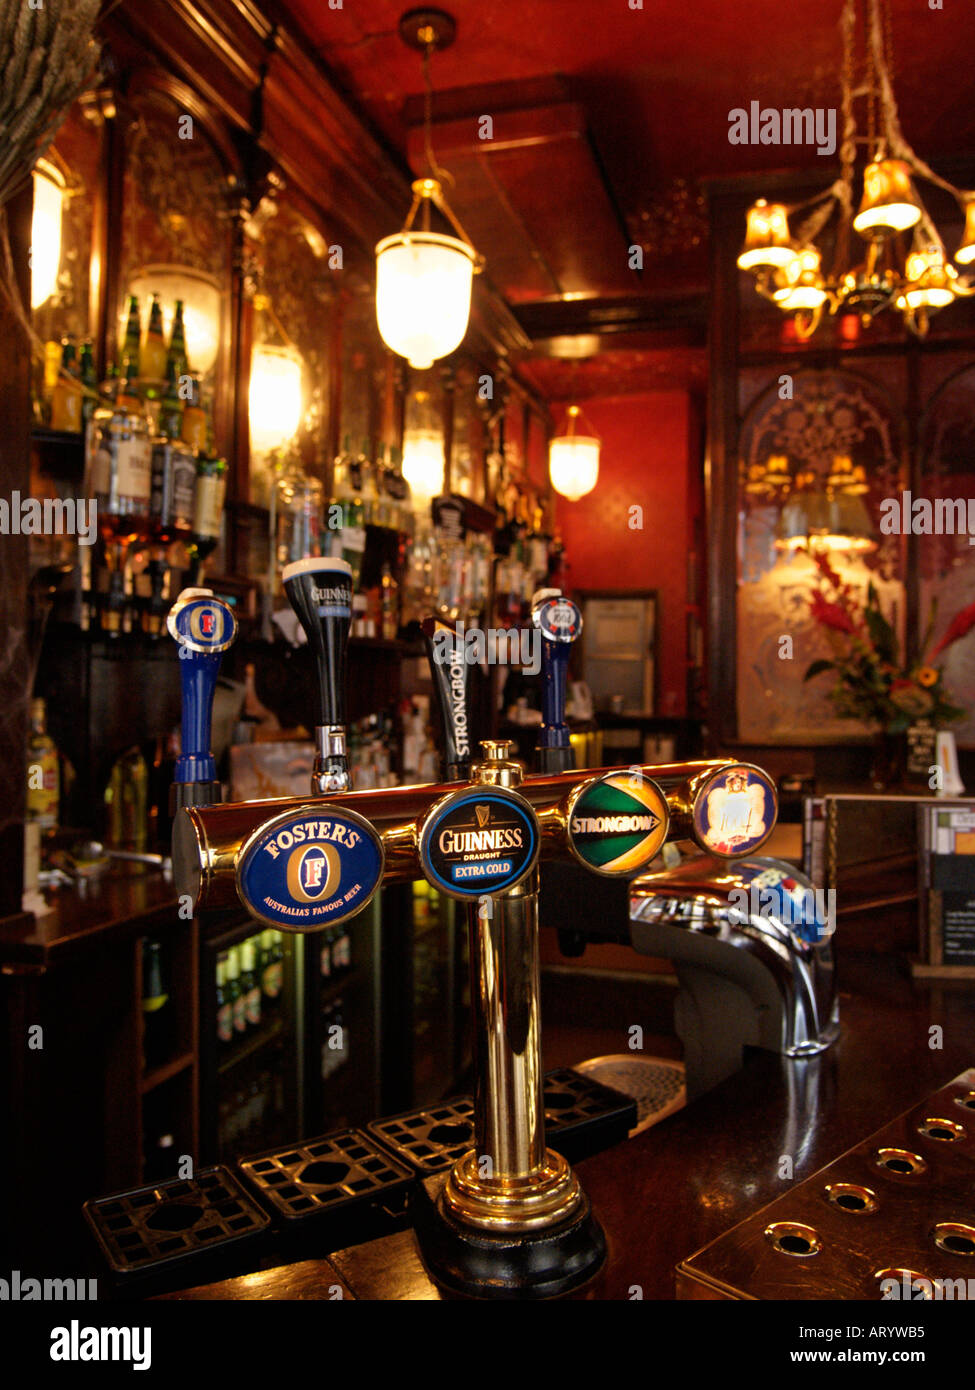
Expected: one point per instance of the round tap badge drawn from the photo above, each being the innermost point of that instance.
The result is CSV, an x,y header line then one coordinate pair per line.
x,y
310,868
735,811
617,822
477,841
558,619
202,622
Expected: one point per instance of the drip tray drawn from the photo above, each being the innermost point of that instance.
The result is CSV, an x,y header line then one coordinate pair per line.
x,y
152,1226
582,1116
892,1218
331,1173
657,1085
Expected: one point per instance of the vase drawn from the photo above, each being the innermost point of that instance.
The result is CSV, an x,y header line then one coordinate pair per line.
x,y
888,761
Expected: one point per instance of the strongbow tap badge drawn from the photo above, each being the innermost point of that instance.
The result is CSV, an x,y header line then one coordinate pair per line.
x,y
479,841
736,811
310,868
617,823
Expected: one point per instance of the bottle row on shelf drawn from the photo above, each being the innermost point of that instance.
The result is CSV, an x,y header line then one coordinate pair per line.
x,y
249,984
249,1115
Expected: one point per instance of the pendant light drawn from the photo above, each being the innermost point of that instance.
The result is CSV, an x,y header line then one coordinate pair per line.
x,y
423,277
45,231
573,459
274,395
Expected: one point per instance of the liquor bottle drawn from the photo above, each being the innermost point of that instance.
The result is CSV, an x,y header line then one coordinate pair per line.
x,y
272,972
171,410
367,484
121,484
194,427
66,401
250,984
325,955
225,1012
152,363
43,770
176,359
341,949
390,604
298,508
132,342
156,1013
208,500
89,382
353,518
235,993
401,510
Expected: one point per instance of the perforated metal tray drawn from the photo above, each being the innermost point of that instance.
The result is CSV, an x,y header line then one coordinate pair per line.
x,y
888,1219
149,1227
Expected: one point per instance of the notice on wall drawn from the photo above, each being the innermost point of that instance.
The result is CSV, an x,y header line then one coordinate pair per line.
x,y
958,928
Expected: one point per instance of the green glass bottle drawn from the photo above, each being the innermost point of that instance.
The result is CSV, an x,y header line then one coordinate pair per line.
x,y
89,381
176,359
132,343
154,354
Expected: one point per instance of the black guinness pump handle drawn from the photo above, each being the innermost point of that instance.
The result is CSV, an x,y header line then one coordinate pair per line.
x,y
320,592
451,672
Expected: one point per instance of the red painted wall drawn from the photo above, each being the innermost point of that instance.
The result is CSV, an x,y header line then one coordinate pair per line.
x,y
646,460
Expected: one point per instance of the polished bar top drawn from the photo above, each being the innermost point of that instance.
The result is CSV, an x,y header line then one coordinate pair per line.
x,y
128,899
672,1189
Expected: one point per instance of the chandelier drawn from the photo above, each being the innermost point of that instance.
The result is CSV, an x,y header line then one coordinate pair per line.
x,y
915,277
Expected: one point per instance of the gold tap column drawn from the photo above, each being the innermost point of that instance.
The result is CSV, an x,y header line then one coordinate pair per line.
x,y
509,1182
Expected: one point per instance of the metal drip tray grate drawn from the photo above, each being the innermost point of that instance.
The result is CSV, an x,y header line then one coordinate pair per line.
x,y
582,1116
432,1138
150,1226
657,1086
330,1173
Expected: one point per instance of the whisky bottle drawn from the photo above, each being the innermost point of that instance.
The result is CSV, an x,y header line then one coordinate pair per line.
x,y
132,342
120,481
43,770
66,401
208,499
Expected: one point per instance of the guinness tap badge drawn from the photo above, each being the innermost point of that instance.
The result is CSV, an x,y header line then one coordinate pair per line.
x,y
478,841
617,823
310,868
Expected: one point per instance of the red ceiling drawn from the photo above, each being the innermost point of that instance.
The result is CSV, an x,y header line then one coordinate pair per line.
x,y
656,83
600,111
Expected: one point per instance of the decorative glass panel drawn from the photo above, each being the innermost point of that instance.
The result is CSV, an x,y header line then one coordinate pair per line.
x,y
807,439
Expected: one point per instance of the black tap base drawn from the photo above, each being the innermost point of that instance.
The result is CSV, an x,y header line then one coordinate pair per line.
x,y
552,760
477,1264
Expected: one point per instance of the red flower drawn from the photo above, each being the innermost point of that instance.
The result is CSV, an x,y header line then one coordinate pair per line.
x,y
830,614
960,624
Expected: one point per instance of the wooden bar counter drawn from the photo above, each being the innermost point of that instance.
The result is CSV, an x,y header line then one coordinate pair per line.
x,y
680,1184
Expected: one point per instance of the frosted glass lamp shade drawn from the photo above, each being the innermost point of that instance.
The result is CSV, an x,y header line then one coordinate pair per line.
x,y
45,233
274,405
573,464
423,463
423,294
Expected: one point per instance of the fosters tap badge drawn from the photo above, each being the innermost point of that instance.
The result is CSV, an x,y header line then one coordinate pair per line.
x,y
310,868
201,622
736,811
477,841
617,823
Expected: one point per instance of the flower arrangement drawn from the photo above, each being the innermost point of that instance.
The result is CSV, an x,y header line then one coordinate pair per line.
x,y
872,683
